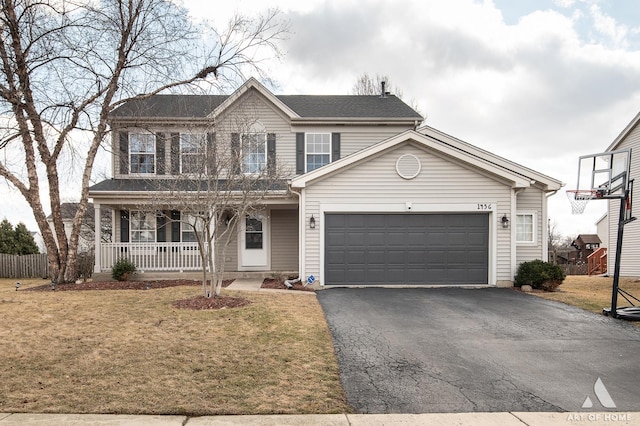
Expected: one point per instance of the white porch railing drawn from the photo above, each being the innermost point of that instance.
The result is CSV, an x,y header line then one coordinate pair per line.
x,y
152,256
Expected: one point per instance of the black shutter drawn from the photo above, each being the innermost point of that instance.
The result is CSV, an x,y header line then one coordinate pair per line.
x,y
175,153
161,222
161,167
335,146
271,152
235,153
175,226
299,153
124,226
124,152
211,154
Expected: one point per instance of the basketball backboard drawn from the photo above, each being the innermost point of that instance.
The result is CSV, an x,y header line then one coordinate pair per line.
x,y
606,173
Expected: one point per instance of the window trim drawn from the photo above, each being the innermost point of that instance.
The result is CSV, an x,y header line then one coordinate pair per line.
x,y
202,152
306,150
154,153
243,151
154,228
534,228
184,222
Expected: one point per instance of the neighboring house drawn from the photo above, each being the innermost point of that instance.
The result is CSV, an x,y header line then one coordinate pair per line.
x,y
370,201
86,239
585,244
602,229
630,260
39,241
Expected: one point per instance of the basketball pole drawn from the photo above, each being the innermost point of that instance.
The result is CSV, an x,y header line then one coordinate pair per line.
x,y
616,268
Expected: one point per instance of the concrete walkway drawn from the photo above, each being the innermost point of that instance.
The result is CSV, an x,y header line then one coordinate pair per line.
x,y
254,284
246,284
459,419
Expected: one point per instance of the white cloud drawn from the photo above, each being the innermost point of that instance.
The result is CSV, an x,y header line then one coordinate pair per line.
x,y
555,83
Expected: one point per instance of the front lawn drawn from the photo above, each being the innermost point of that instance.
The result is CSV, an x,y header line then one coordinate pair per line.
x,y
591,293
132,351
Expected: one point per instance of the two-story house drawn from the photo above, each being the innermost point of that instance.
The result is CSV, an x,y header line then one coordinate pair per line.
x,y
370,200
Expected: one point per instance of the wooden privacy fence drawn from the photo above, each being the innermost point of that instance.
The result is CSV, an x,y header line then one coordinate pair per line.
x,y
27,266
578,269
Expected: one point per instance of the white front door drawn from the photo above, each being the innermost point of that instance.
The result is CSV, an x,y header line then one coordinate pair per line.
x,y
254,242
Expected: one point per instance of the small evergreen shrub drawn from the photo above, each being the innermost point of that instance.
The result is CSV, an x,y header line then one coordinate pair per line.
x,y
539,275
122,269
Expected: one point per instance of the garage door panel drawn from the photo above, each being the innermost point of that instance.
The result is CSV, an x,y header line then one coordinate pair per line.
x,y
376,249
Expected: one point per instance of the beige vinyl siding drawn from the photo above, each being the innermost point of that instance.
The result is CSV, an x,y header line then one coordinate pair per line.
x,y
284,240
352,138
630,261
231,254
530,201
442,181
252,107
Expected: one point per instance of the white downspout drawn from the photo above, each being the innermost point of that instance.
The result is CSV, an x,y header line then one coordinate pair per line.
x,y
97,236
514,217
301,229
545,222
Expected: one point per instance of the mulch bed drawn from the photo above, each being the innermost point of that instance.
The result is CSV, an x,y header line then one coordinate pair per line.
x,y
279,285
121,285
198,303
201,303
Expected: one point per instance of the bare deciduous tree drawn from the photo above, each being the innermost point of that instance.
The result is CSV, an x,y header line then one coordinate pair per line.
x,y
368,85
67,65
219,187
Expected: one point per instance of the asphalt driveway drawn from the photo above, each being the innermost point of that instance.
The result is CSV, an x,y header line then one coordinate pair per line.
x,y
465,350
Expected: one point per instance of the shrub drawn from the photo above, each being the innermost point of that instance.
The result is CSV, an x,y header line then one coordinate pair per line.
x,y
122,269
540,275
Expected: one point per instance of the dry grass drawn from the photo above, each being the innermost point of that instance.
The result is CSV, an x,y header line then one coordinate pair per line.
x,y
132,352
591,293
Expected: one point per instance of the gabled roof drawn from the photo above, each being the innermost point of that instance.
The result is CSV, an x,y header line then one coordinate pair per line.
x,y
349,106
169,106
519,176
296,107
632,124
525,172
589,238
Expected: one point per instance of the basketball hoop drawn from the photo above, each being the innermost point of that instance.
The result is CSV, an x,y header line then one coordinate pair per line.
x,y
579,199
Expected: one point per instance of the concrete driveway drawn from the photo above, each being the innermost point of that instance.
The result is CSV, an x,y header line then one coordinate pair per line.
x,y
465,350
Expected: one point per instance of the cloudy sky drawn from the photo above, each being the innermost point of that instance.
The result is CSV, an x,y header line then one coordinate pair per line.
x,y
539,82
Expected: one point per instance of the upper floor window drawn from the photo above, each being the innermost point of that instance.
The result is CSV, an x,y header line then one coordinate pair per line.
x,y
142,152
315,149
254,152
525,228
318,150
142,227
192,152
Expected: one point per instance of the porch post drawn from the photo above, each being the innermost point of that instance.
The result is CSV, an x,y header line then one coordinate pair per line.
x,y
97,236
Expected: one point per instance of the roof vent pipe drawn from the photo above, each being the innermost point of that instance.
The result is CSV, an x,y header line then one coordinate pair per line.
x,y
384,93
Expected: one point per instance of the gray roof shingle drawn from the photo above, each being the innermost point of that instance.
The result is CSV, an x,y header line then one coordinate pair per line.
x,y
306,106
152,185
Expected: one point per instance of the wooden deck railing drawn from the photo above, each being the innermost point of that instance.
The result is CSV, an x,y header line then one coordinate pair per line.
x,y
597,262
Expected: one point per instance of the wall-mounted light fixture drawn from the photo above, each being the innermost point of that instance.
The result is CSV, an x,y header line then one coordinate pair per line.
x,y
505,221
312,222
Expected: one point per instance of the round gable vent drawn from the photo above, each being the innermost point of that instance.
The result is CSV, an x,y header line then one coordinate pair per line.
x,y
408,166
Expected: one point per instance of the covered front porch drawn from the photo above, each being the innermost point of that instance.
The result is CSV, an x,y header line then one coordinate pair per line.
x,y
161,241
